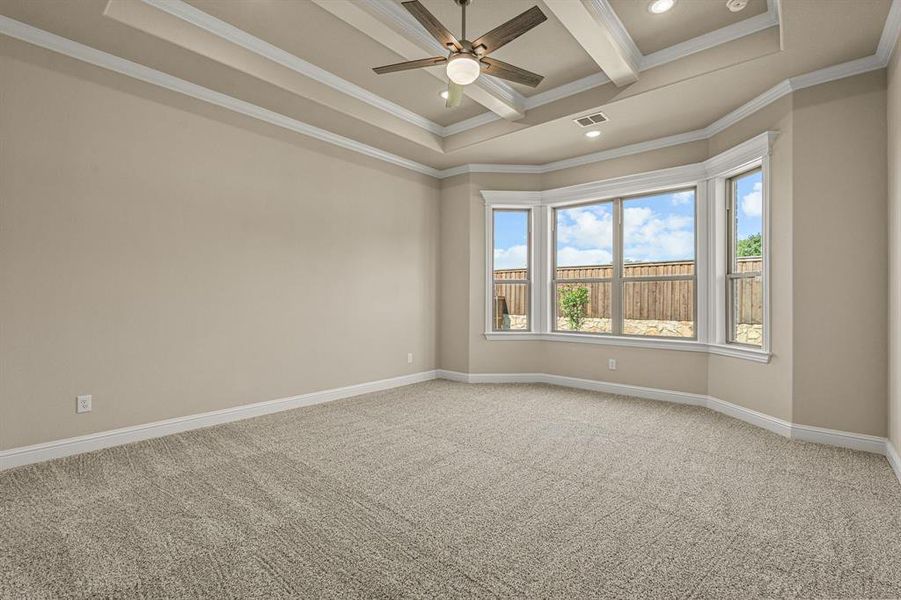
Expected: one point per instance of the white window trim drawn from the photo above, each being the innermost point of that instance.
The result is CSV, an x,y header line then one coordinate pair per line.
x,y
709,177
533,268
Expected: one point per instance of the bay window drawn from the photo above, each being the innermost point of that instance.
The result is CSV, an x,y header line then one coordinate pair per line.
x,y
671,259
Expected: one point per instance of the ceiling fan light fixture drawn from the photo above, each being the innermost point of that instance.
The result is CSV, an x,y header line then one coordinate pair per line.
x,y
658,7
463,68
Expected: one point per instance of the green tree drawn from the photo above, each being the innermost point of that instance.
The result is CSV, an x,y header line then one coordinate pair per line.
x,y
573,303
749,246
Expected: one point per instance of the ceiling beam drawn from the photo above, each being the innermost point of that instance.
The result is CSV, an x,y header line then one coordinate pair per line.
x,y
596,28
390,25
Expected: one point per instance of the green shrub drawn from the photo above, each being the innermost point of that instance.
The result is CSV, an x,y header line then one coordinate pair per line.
x,y
749,246
573,304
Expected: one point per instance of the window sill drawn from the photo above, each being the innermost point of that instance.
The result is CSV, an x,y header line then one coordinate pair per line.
x,y
743,353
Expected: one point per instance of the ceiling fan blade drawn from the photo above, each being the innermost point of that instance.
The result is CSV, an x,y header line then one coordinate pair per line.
x,y
432,25
510,30
499,68
411,64
454,94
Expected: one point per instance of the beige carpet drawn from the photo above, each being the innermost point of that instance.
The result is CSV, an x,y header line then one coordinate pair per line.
x,y
452,490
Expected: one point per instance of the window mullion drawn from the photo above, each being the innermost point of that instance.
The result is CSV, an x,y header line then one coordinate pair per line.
x,y
616,307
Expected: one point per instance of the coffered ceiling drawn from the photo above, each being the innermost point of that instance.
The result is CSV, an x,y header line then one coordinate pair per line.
x,y
308,64
686,20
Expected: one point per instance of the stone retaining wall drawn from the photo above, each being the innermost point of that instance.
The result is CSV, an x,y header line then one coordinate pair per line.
x,y
747,333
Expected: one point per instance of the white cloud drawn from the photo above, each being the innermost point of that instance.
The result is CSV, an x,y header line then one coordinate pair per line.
x,y
574,257
684,197
752,203
587,227
650,236
586,234
514,257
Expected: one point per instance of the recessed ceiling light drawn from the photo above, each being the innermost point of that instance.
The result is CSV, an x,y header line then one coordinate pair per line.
x,y
660,6
443,94
592,134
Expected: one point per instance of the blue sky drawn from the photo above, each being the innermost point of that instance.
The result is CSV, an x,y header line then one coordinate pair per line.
x,y
655,228
511,239
750,204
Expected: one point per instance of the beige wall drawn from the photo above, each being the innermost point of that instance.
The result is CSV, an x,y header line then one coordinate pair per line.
x,y
453,269
766,387
840,239
894,206
827,195
172,258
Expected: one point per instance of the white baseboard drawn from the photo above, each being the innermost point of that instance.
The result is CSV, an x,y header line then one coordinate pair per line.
x,y
754,417
574,382
893,459
67,447
843,439
807,433
95,441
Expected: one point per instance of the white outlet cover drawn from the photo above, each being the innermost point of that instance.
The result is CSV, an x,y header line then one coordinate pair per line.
x,y
83,403
611,364
410,358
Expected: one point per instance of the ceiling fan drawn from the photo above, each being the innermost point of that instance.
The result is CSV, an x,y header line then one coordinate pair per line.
x,y
468,59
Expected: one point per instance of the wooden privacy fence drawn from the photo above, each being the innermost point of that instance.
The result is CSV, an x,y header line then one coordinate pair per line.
x,y
643,300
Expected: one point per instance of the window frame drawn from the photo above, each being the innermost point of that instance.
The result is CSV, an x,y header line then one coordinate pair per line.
x,y
732,272
709,180
528,281
618,279
552,288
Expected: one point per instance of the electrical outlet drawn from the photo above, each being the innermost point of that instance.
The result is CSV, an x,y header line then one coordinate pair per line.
x,y
410,358
83,404
611,364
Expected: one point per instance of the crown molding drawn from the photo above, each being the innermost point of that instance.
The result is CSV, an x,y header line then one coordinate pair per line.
x,y
753,149
392,13
710,40
678,51
748,108
189,14
890,32
567,89
471,123
628,150
61,45
783,88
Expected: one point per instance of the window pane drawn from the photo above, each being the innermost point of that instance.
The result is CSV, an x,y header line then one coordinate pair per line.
x,y
746,296
748,214
659,233
584,241
584,307
659,308
511,243
511,307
